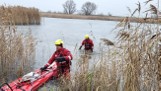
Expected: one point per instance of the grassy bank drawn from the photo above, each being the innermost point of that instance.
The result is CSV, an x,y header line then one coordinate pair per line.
x,y
20,15
101,17
16,51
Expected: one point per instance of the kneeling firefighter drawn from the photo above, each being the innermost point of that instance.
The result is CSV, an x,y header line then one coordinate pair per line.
x,y
63,57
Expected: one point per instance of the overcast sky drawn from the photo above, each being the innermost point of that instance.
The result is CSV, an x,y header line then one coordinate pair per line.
x,y
114,7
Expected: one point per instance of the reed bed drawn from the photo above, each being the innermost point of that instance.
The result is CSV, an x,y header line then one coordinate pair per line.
x,y
17,52
21,15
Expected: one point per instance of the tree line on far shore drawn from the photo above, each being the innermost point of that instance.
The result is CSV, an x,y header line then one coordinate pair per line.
x,y
88,8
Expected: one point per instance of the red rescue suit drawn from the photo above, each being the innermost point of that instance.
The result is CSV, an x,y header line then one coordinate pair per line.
x,y
88,44
65,65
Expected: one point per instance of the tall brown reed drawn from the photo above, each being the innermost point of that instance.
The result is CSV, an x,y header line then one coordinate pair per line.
x,y
140,55
22,15
16,51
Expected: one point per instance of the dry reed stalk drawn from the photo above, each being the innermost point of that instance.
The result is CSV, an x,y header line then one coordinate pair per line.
x,y
16,51
107,41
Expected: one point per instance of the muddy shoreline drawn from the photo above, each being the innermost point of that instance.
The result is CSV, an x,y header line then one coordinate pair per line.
x,y
101,17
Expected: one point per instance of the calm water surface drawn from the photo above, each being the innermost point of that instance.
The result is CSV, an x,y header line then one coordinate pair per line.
x,y
71,31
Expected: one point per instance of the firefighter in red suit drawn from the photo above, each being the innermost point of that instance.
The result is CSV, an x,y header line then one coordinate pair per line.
x,y
87,43
63,57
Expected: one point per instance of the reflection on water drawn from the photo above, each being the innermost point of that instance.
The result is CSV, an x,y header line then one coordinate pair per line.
x,y
71,31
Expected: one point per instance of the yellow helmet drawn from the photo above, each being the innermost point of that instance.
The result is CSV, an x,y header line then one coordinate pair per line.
x,y
86,36
58,42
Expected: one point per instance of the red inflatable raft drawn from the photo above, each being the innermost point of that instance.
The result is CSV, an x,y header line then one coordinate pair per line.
x,y
33,80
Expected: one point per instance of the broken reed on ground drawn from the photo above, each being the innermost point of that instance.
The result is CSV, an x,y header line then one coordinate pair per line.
x,y
132,64
21,15
17,52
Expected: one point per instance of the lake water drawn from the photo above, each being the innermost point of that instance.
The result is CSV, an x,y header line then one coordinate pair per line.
x,y
71,31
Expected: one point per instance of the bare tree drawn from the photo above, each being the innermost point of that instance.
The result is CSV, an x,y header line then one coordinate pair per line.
x,y
88,8
69,7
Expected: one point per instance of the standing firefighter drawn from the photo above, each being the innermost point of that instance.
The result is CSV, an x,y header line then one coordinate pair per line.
x,y
87,43
63,57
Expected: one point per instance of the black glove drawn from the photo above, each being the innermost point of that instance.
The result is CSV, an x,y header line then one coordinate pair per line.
x,y
60,59
43,68
80,47
92,50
